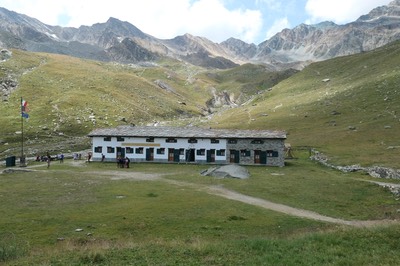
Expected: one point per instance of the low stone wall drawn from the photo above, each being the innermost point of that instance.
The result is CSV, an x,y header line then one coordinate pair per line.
x,y
374,171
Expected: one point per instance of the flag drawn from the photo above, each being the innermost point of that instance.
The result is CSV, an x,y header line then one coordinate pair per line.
x,y
24,109
24,106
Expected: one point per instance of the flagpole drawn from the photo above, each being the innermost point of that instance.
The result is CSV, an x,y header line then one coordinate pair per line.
x,y
22,160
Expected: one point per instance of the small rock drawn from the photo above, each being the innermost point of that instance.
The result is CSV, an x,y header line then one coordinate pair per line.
x,y
78,230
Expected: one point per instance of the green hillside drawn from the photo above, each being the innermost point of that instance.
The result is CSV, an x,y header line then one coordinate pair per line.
x,y
246,80
348,108
68,97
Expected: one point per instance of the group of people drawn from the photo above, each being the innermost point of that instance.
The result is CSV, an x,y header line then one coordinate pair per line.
x,y
47,158
123,162
77,156
42,158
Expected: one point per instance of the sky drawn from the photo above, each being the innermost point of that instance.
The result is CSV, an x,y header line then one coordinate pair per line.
x,y
252,21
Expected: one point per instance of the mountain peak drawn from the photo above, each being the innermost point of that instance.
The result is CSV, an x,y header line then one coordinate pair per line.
x,y
395,3
390,11
121,41
114,21
123,28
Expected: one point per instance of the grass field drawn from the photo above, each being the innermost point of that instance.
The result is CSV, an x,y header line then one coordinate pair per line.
x,y
154,214
353,117
139,216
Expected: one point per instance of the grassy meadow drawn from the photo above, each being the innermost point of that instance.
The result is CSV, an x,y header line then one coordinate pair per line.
x,y
155,214
68,97
347,107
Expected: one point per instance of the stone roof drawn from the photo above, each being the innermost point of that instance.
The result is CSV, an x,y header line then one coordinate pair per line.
x,y
185,132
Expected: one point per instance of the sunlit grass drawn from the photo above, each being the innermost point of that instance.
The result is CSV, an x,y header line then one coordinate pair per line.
x,y
136,216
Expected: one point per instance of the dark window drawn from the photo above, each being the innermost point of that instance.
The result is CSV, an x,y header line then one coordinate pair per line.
x,y
139,150
192,140
151,139
201,152
161,151
107,138
220,152
181,151
232,141
215,141
171,140
271,153
244,153
110,149
98,149
129,150
257,141
120,139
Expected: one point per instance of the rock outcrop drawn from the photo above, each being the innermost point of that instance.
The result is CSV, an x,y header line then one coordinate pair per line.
x,y
227,171
374,171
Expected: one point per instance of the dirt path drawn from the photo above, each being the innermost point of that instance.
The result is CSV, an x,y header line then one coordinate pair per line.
x,y
232,195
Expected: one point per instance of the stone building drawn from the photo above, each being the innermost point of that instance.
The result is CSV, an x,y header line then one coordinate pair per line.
x,y
189,145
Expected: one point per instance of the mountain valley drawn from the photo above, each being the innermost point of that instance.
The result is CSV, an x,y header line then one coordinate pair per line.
x,y
346,104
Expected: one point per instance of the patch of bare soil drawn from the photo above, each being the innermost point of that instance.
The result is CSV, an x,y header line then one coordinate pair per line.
x,y
120,175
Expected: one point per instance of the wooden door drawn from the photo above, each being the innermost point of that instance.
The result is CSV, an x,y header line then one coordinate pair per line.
x,y
171,154
257,156
150,154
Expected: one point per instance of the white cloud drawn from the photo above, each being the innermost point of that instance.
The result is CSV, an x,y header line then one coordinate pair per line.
x,y
162,19
278,26
340,11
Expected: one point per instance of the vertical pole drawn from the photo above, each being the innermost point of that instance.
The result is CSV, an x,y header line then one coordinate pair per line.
x,y
22,160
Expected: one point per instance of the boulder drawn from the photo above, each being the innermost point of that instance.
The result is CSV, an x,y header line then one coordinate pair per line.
x,y
227,171
383,172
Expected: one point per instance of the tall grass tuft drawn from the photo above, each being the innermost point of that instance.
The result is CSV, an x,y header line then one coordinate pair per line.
x,y
11,247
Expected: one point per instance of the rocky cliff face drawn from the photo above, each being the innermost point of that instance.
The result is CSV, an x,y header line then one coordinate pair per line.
x,y
327,40
116,40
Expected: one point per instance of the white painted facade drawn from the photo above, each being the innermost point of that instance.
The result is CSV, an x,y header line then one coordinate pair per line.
x,y
191,145
158,149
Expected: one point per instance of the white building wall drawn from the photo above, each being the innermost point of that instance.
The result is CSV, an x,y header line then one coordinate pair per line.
x,y
110,149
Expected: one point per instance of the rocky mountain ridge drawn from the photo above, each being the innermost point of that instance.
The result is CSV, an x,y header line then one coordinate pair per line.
x,y
121,41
